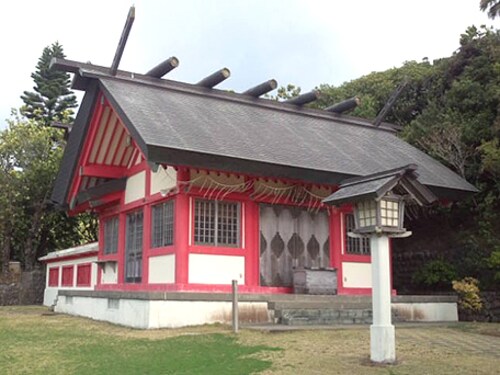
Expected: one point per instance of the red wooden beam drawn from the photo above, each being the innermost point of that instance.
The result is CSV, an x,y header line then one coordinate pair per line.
x,y
102,171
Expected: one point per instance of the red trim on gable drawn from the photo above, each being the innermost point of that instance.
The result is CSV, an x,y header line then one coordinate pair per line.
x,y
106,166
134,169
111,128
102,171
87,146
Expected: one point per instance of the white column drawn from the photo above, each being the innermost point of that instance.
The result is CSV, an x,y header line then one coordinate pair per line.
x,y
382,334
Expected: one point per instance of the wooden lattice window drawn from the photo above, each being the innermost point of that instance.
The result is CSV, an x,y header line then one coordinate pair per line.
x,y
357,246
163,224
217,223
111,235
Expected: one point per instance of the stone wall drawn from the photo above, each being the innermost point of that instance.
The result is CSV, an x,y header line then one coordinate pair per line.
x,y
490,311
25,288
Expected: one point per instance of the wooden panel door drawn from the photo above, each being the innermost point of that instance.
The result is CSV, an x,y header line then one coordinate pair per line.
x,y
291,237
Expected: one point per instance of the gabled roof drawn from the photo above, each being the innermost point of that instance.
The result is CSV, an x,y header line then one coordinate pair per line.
x,y
187,125
377,185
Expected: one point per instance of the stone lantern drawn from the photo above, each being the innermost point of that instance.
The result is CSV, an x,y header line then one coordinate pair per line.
x,y
378,202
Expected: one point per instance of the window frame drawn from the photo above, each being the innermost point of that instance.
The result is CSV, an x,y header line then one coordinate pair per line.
x,y
169,226
216,222
361,245
115,234
133,256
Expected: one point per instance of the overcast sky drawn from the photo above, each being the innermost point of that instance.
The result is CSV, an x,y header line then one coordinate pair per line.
x,y
306,43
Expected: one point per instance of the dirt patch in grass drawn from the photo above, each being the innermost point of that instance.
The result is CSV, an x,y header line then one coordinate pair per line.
x,y
422,350
489,329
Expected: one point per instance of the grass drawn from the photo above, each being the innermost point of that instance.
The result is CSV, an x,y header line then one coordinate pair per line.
x,y
33,343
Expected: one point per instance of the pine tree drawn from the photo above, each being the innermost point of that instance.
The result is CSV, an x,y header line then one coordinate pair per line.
x,y
52,99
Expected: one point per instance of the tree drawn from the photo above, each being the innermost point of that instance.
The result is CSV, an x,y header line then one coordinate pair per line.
x,y
30,155
52,97
492,7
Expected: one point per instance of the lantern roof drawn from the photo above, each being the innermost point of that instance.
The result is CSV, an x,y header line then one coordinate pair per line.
x,y
403,181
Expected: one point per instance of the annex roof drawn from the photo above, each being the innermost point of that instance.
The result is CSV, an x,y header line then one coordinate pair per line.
x,y
183,124
377,185
90,249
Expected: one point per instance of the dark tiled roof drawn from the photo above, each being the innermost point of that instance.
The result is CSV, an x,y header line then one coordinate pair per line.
x,y
175,119
186,125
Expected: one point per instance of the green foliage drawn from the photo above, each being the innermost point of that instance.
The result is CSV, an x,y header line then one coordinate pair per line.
x,y
285,92
490,153
494,263
436,273
492,7
468,294
29,226
30,155
375,89
450,110
52,99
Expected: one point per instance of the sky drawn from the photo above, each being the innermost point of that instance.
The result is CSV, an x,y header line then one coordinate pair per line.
x,y
303,42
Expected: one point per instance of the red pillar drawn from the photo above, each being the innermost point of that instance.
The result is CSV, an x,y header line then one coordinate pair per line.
x,y
336,245
252,235
181,228
146,237
121,248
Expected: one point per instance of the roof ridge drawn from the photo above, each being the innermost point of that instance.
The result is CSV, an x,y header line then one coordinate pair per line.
x,y
231,96
395,172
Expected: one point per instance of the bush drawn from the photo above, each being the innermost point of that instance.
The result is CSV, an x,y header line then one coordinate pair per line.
x,y
468,294
436,273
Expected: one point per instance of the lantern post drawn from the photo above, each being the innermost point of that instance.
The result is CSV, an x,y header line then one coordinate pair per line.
x,y
378,202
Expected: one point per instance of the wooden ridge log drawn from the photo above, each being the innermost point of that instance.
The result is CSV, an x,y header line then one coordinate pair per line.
x,y
215,78
262,88
123,41
308,97
344,106
164,67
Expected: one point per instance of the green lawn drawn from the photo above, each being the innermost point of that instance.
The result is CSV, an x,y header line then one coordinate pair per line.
x,y
34,343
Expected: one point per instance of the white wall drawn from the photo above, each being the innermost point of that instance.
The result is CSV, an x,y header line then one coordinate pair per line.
x,y
216,269
163,179
136,187
172,314
130,313
356,275
50,293
161,314
109,273
427,312
162,269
